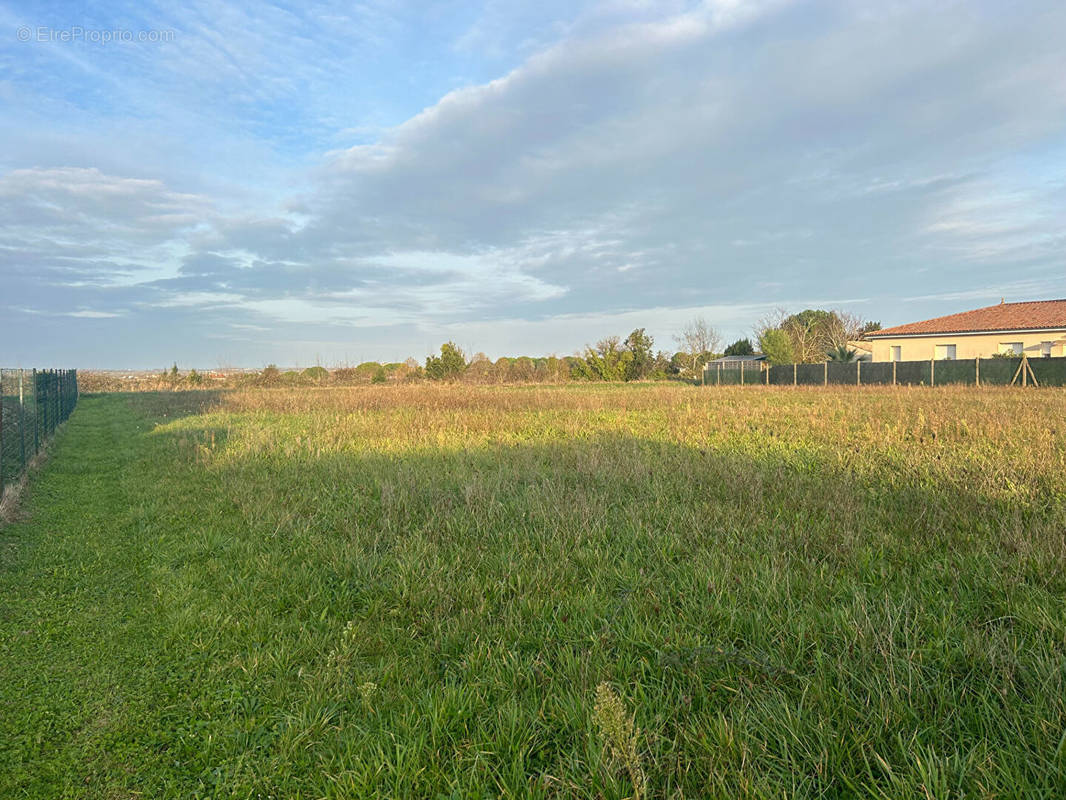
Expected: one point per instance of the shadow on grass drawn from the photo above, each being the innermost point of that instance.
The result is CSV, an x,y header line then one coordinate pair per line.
x,y
777,621
171,405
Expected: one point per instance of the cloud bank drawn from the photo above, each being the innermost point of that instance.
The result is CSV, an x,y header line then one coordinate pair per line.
x,y
634,167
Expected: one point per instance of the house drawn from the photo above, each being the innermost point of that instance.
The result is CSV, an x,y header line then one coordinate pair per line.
x,y
864,351
1036,328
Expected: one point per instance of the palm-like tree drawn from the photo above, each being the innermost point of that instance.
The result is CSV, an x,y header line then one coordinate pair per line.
x,y
843,353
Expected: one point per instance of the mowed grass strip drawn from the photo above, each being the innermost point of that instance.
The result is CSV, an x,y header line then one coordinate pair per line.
x,y
460,592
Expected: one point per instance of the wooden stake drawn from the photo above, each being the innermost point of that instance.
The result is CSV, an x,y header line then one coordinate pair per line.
x,y
1017,372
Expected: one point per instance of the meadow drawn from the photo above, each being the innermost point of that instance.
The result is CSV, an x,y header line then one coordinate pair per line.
x,y
586,591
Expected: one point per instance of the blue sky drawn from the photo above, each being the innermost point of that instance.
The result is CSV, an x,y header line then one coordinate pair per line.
x,y
224,184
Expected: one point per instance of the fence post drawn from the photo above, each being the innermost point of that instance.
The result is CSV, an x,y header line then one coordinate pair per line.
x,y
767,375
932,372
977,371
825,373
36,414
793,373
893,373
22,422
741,373
719,374
1,434
858,373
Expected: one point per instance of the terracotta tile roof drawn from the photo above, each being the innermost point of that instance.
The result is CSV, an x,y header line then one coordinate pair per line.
x,y
1036,314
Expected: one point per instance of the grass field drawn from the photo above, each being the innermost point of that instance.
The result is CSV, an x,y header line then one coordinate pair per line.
x,y
459,592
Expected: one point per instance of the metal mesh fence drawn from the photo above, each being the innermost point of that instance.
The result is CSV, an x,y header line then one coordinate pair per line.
x,y
876,372
839,372
32,405
913,373
782,375
810,374
983,371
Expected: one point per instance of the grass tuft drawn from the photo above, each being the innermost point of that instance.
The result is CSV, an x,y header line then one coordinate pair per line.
x,y
620,735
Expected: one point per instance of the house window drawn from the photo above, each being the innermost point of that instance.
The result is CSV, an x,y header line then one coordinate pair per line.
x,y
945,352
1010,348
1045,349
897,353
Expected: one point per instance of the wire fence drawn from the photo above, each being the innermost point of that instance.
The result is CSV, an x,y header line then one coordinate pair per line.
x,y
32,405
1022,371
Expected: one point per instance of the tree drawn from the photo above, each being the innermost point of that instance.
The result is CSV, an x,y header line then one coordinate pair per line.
x,y
813,332
639,344
479,370
697,341
522,369
843,353
316,374
449,365
607,361
270,376
868,327
741,347
410,370
776,346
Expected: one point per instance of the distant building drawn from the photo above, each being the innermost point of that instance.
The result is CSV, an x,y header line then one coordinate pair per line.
x,y
734,362
1036,328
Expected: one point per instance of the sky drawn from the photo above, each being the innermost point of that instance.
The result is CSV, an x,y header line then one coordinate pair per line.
x,y
220,184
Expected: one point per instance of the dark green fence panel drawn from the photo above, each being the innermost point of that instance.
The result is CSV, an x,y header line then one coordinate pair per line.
x,y
998,371
33,403
781,375
840,372
913,373
876,373
810,374
964,372
1048,371
729,377
954,371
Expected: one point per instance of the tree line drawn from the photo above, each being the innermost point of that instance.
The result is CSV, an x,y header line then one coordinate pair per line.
x,y
811,335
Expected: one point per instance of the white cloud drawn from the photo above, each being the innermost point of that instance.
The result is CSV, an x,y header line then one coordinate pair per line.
x,y
641,162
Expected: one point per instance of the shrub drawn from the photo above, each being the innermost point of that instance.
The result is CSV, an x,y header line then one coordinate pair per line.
x,y
449,365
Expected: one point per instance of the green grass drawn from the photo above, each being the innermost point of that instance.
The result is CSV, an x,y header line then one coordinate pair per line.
x,y
417,591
